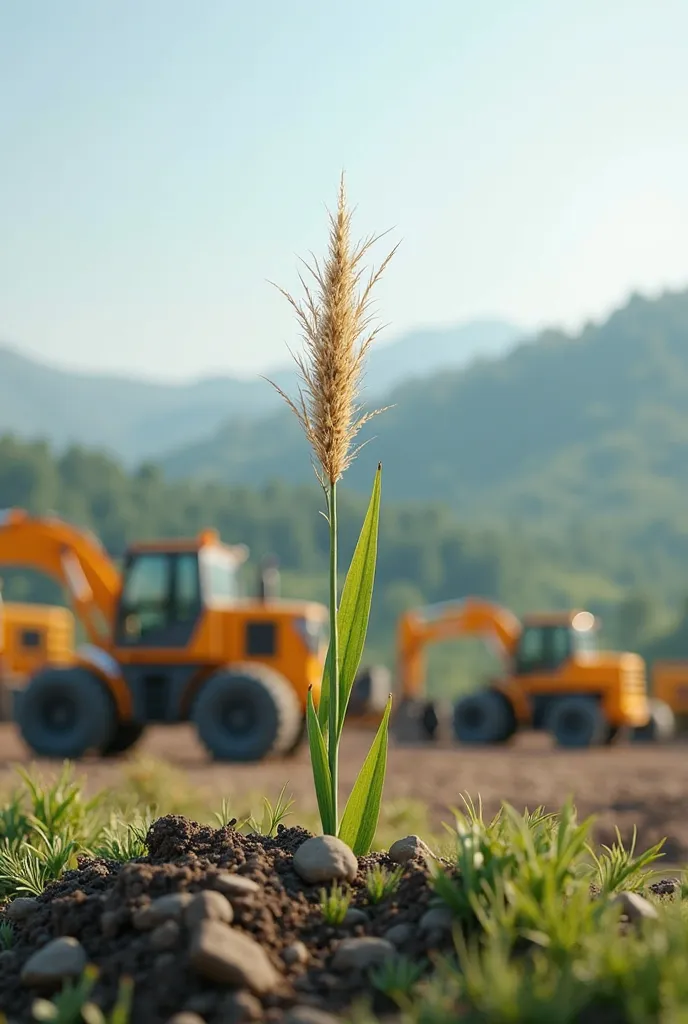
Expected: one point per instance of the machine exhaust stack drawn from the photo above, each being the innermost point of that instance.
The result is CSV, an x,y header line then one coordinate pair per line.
x,y
269,580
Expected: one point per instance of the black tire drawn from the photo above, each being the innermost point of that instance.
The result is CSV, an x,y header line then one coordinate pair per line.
x,y
126,736
370,691
65,713
660,728
482,718
246,713
577,722
412,723
300,738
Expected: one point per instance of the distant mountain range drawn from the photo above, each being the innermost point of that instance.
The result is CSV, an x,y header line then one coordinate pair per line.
x,y
575,427
139,420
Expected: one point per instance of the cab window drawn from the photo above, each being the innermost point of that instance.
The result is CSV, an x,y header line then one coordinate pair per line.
x,y
147,590
543,648
161,589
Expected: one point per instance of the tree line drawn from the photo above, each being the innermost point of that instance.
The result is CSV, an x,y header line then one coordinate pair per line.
x,y
426,554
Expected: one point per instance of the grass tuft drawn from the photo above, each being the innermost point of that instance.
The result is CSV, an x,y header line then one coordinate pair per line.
x,y
334,904
381,882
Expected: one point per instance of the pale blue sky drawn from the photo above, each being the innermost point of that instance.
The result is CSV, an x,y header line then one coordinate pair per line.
x,y
160,159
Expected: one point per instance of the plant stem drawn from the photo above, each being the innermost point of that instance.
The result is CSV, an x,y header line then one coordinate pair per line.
x,y
332,745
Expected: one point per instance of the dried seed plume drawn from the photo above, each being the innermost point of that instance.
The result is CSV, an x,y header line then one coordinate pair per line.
x,y
337,330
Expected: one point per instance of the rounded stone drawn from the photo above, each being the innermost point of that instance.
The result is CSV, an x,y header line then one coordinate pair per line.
x,y
407,849
208,906
296,953
62,958
359,954
325,859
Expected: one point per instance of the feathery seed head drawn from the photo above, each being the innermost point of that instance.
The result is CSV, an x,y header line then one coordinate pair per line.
x,y
336,327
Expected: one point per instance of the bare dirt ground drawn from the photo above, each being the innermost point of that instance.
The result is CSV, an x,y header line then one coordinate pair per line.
x,y
622,785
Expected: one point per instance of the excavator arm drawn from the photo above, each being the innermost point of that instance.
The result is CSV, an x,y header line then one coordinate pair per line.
x,y
470,617
74,558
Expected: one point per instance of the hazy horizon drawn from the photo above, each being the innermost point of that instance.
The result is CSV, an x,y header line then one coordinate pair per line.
x,y
160,164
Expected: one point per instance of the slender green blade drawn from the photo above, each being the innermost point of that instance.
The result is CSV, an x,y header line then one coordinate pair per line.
x,y
322,779
362,810
324,702
357,595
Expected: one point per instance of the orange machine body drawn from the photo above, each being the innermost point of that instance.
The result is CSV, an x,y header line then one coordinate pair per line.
x,y
545,655
171,618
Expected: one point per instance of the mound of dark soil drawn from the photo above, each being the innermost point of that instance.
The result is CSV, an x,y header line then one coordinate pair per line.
x,y
253,947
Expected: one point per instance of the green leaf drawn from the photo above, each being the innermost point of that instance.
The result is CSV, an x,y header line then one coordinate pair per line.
x,y
322,777
362,810
354,610
324,703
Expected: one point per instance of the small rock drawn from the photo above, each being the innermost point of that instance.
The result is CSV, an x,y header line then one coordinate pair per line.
x,y
309,1015
165,908
21,908
185,1018
234,886
361,953
407,849
229,957
399,934
61,958
208,906
165,936
437,919
296,953
240,1008
325,859
354,916
635,907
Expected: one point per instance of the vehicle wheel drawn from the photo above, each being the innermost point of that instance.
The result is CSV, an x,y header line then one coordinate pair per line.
x,y
127,735
483,717
414,722
65,712
300,737
246,713
660,728
370,691
577,722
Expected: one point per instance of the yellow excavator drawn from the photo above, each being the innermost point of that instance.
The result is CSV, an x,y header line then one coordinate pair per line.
x,y
31,635
554,679
171,640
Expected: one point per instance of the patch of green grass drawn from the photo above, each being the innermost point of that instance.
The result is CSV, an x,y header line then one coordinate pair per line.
x,y
334,904
381,882
536,937
72,1004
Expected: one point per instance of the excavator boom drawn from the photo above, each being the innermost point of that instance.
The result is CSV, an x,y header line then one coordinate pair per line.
x,y
434,623
73,557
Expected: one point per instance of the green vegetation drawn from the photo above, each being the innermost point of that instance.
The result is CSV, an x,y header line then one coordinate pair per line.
x,y
381,883
334,904
535,910
561,430
73,1006
335,321
425,554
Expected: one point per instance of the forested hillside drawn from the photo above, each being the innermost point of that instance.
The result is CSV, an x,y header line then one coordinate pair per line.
x,y
426,554
138,419
563,428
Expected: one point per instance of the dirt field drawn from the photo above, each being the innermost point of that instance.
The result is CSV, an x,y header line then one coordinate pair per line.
x,y
623,785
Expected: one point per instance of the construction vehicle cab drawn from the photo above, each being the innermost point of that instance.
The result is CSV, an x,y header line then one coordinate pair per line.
x,y
172,640
554,678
